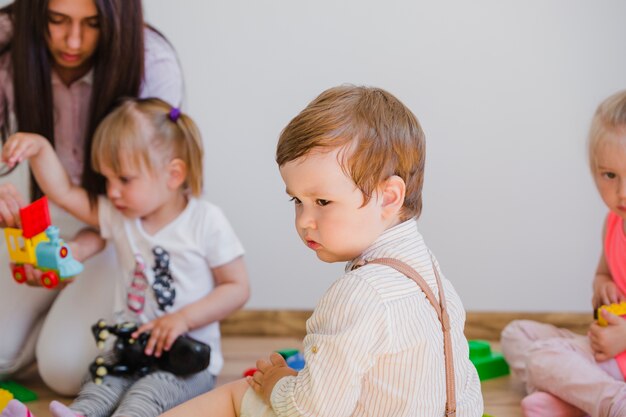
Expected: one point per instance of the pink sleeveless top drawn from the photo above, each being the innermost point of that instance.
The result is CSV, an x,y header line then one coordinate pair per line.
x,y
615,255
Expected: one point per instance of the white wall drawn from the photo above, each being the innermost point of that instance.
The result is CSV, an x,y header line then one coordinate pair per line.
x,y
504,91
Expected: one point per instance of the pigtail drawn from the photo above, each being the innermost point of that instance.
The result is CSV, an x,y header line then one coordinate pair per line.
x,y
190,148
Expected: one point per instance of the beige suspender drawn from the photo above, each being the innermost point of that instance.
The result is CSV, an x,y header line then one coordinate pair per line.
x,y
442,313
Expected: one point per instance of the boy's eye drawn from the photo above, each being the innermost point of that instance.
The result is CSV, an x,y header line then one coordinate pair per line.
x,y
295,200
321,202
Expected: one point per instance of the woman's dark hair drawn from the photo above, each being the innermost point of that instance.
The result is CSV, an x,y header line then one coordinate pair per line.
x,y
118,70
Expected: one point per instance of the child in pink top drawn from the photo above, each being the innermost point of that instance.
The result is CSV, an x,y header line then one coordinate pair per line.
x,y
567,374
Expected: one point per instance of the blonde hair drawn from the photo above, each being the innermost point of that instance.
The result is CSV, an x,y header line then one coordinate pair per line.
x,y
610,117
149,133
380,135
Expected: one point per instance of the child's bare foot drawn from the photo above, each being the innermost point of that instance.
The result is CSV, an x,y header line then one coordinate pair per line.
x,y
58,409
542,404
16,409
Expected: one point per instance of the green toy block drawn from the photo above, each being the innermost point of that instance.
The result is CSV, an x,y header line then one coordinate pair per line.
x,y
285,353
488,364
19,392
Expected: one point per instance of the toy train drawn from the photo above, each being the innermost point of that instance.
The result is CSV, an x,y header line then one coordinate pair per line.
x,y
37,243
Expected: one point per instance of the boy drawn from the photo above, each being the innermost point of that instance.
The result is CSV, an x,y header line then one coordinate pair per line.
x,y
353,164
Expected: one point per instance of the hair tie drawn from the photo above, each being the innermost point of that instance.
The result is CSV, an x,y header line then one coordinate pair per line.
x,y
174,114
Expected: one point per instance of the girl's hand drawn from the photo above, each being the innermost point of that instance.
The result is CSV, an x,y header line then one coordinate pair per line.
x,y
268,374
610,340
21,146
606,292
163,332
10,203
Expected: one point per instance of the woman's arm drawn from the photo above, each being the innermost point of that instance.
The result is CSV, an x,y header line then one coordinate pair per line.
x,y
50,174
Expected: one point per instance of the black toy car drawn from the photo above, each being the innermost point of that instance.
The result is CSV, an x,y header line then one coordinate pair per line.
x,y
186,356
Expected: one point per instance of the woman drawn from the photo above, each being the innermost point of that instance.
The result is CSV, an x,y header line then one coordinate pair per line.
x,y
63,65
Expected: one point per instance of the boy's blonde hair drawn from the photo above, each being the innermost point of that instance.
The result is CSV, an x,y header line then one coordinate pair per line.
x,y
380,135
610,117
149,133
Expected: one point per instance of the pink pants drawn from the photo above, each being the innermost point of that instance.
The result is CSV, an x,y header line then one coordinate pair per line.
x,y
557,361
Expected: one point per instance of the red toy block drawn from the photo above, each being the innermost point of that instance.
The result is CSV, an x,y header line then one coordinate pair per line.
x,y
35,218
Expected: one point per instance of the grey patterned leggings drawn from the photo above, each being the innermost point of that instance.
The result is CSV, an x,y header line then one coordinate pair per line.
x,y
148,396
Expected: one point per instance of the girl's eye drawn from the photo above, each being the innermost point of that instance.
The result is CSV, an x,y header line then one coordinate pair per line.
x,y
295,200
609,175
321,202
124,180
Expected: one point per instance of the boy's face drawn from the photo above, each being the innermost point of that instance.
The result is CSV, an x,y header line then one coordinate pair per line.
x,y
610,172
330,218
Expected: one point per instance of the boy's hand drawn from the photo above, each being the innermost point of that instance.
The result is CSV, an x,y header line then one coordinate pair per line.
x,y
268,374
163,332
21,146
610,340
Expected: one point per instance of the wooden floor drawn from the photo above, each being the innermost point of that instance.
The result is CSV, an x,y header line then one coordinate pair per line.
x,y
502,395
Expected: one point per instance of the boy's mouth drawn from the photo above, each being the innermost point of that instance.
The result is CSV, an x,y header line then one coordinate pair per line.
x,y
313,244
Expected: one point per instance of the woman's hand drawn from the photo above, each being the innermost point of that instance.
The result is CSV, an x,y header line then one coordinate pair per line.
x,y
10,203
268,374
607,341
163,332
33,277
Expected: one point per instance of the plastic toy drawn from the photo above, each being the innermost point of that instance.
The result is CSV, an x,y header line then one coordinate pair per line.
x,y
488,364
5,397
38,243
296,362
615,308
293,357
18,391
186,356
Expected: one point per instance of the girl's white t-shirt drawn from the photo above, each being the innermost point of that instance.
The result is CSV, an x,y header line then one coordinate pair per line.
x,y
175,264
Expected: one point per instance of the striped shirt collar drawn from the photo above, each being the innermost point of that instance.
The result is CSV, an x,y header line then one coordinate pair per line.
x,y
387,243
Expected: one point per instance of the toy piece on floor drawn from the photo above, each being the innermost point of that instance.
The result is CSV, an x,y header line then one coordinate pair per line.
x,y
293,357
5,397
286,353
488,364
619,309
38,243
18,391
185,357
296,362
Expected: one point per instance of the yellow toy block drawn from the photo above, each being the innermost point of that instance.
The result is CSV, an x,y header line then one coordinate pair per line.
x,y
22,251
5,397
617,309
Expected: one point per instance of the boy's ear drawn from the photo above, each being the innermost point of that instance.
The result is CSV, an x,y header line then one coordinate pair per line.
x,y
177,173
393,192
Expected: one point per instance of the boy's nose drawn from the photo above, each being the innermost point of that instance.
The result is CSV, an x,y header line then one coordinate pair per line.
x,y
305,219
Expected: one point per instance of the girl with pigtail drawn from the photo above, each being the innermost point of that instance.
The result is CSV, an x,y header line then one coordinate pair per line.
x,y
150,155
